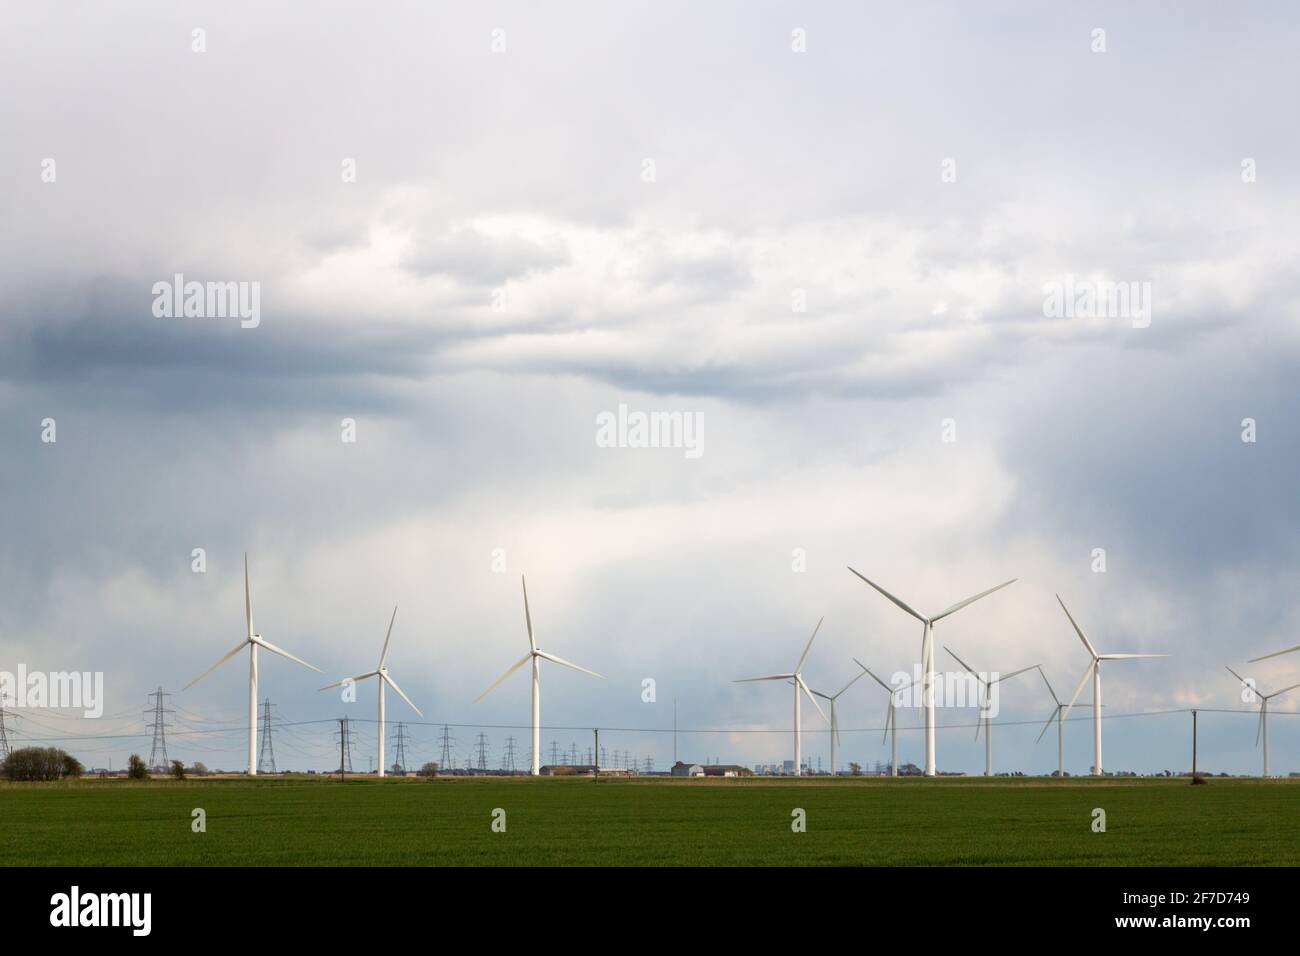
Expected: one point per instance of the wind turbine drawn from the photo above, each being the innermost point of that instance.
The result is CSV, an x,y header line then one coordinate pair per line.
x,y
927,657
1060,725
1094,669
985,687
252,641
536,656
797,678
382,674
835,723
891,720
1263,710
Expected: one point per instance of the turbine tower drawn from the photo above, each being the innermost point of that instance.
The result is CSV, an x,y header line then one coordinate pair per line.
x,y
985,687
1262,730
536,656
1060,724
252,641
796,678
927,657
1094,670
891,719
835,721
382,673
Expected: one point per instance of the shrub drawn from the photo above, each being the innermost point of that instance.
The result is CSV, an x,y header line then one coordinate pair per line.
x,y
430,769
199,770
178,770
135,768
40,763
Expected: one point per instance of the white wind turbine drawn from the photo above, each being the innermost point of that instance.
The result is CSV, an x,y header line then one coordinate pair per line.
x,y
985,687
1094,670
927,657
252,641
1263,710
891,719
536,656
797,678
835,721
1060,725
384,678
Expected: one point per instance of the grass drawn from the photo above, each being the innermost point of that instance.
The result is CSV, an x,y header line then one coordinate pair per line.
x,y
739,822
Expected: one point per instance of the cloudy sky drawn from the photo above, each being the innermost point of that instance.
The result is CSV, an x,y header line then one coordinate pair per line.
x,y
560,208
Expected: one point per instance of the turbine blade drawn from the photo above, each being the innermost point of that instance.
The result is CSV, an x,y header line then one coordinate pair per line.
x,y
1259,728
978,721
964,665
388,637
528,617
848,685
891,597
971,600
799,681
1235,674
873,676
248,599
746,680
889,716
1051,718
1289,650
1282,691
283,653
561,660
927,652
1002,677
340,683
804,656
1048,683
1078,630
393,684
238,647
513,667
1087,672
1126,657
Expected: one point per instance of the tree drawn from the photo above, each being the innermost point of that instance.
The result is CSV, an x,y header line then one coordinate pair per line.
x,y
39,763
135,768
855,769
430,769
178,770
199,770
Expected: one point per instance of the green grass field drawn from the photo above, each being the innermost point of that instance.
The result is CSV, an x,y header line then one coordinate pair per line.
x,y
319,822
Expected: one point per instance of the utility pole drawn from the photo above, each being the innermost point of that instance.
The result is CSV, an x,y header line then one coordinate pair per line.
x,y
508,764
555,753
482,751
597,751
158,753
674,729
399,746
1193,746
345,746
4,736
266,755
445,760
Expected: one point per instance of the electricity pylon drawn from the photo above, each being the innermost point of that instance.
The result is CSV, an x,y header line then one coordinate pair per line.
x,y
266,754
158,712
